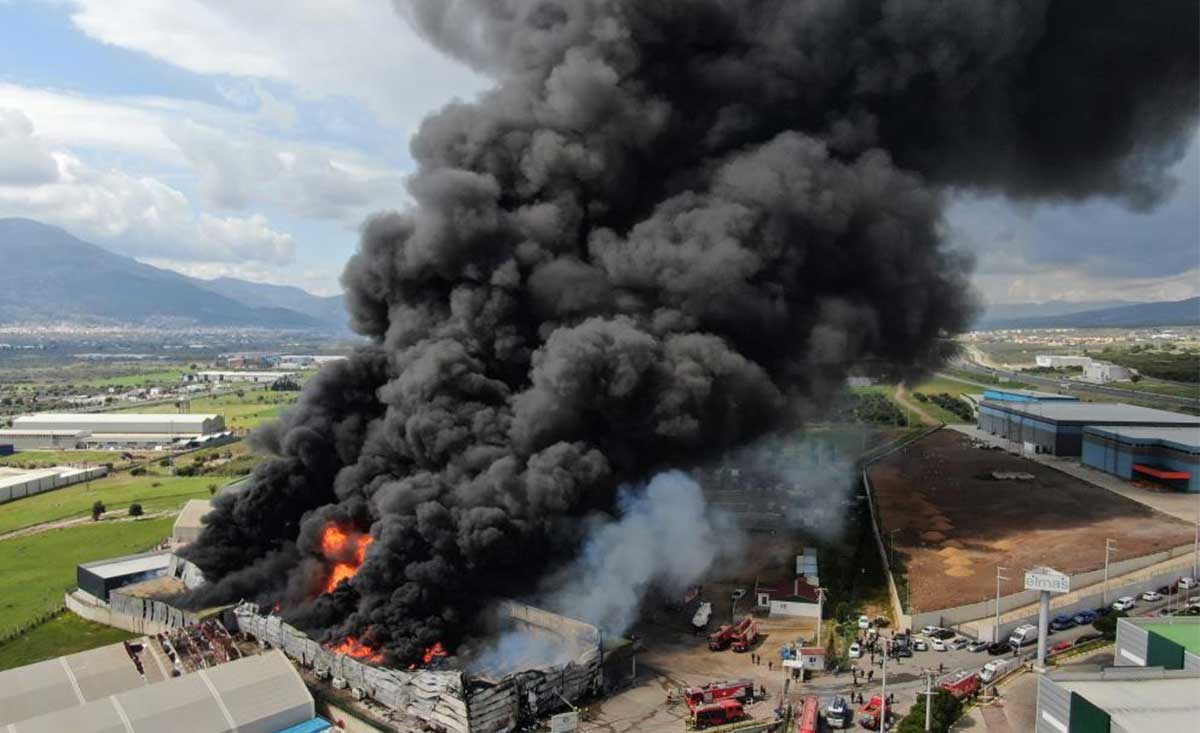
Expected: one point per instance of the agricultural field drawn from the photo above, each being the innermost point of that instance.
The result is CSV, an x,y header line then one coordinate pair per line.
x,y
244,410
40,568
1177,365
66,633
36,458
938,385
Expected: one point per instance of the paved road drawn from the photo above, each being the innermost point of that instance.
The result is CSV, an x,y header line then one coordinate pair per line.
x,y
1161,400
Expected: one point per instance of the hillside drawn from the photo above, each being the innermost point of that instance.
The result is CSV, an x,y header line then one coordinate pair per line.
x,y
1137,315
48,275
327,309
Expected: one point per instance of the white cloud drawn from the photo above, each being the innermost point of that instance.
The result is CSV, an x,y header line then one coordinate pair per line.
x,y
24,160
359,49
141,216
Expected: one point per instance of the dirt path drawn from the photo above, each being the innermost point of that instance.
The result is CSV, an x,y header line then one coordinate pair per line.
x,y
74,521
902,396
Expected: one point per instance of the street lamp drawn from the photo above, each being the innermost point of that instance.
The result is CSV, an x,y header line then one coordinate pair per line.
x,y
1110,546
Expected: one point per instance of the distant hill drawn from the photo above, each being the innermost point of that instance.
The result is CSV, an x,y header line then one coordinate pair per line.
x,y
327,309
48,275
1138,315
1019,311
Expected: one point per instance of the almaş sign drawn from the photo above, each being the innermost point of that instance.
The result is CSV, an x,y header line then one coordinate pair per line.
x,y
1048,580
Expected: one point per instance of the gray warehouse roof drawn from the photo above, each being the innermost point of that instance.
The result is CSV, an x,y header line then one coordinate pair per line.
x,y
1096,413
56,419
1185,438
1140,699
66,682
117,567
260,694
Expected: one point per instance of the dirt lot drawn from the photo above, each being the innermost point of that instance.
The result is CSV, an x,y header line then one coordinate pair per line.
x,y
955,522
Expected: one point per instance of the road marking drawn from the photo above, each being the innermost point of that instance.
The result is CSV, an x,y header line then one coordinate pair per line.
x,y
121,713
71,676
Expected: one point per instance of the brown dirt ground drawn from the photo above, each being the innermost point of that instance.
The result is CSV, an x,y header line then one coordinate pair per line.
x,y
956,523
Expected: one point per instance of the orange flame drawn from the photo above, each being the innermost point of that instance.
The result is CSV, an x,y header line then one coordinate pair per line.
x,y
336,544
437,651
352,647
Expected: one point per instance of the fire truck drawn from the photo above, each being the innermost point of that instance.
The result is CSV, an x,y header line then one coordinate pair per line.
x,y
869,714
721,712
740,690
720,638
961,684
810,716
745,635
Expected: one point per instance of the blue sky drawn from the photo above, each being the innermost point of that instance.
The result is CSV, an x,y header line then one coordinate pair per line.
x,y
221,137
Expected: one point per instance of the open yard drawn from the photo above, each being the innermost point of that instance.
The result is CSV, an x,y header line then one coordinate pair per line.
x,y
242,412
954,522
31,458
40,568
63,634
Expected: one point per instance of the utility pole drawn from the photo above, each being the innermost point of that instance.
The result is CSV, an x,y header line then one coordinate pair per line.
x,y
883,708
820,614
928,693
1110,546
1196,545
996,628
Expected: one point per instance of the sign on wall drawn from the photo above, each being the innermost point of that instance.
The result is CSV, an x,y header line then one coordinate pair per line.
x,y
1047,579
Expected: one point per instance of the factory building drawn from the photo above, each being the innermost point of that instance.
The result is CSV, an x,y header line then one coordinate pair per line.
x,y
190,521
1171,643
1103,372
1057,361
102,577
1056,427
19,483
113,430
1118,701
1168,456
217,377
257,694
1025,395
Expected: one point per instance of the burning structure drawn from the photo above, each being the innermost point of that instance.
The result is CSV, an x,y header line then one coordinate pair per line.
x,y
670,228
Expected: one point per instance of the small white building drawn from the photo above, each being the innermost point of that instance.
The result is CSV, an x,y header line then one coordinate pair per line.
x,y
1103,372
795,597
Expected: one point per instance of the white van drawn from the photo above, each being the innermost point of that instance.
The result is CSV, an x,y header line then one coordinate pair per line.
x,y
997,668
1022,635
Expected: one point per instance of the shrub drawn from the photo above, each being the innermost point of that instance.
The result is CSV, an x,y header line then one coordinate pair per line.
x,y
135,510
137,471
98,509
946,710
212,489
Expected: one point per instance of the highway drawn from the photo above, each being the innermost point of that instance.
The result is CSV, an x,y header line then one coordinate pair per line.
x,y
1097,390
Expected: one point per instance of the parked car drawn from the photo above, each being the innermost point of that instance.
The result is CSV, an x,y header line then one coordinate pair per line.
x,y
1124,603
1085,617
1061,646
1022,635
855,651
1152,595
1187,583
977,646
927,630
1062,621
1169,590
920,645
943,634
958,642
1085,638
938,645
1000,647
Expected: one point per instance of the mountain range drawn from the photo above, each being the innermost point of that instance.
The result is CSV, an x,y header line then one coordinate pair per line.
x,y
48,275
1109,314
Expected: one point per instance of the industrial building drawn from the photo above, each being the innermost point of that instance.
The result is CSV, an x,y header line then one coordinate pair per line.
x,y
1058,361
258,694
101,577
1056,427
190,521
1025,395
1118,701
1103,372
1168,456
217,377
113,430
1170,643
19,483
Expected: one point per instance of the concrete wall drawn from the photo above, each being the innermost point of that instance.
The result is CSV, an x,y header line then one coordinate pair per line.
x,y
790,608
1053,707
157,621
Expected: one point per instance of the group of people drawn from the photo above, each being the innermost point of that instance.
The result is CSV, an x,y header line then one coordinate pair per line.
x,y
856,698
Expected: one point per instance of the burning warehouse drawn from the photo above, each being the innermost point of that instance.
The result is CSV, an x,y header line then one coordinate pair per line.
x,y
670,229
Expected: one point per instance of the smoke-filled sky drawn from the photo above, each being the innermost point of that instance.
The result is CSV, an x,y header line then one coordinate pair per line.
x,y
227,138
668,230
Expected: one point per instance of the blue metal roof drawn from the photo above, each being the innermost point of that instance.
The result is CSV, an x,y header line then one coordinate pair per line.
x,y
316,725
1025,395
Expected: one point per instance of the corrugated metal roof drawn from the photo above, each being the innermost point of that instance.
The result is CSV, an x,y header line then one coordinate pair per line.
x,y
66,682
260,694
1187,437
98,418
128,565
1167,704
1098,413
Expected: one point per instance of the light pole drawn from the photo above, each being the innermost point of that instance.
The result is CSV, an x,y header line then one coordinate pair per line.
x,y
928,693
996,628
1196,545
820,614
1110,546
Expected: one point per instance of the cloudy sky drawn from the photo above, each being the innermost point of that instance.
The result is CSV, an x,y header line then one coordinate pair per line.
x,y
221,137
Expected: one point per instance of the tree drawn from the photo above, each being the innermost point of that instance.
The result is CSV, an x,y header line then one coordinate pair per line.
x,y
97,509
212,489
946,710
1107,624
135,510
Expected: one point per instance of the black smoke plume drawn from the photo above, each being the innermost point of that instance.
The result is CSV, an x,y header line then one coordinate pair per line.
x,y
670,227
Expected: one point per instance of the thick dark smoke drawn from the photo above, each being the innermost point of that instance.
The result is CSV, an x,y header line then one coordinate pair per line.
x,y
671,227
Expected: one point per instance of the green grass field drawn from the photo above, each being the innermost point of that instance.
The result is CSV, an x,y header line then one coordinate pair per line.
x,y
147,378
949,386
64,634
116,491
60,457
244,412
39,569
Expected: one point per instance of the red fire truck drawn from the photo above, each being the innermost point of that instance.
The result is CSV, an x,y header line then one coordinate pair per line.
x,y
720,638
962,684
717,713
740,690
745,635
810,716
